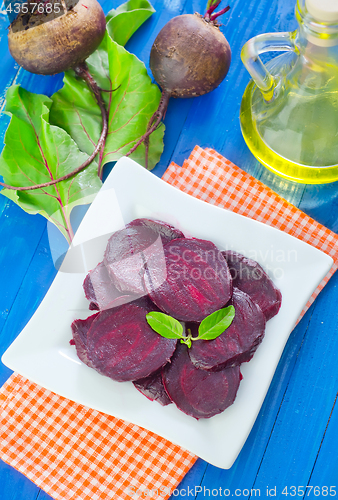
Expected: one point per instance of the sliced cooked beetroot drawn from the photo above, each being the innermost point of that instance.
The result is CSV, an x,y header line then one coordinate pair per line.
x,y
125,257
198,280
238,343
199,393
163,229
101,291
122,346
129,249
152,387
80,328
251,278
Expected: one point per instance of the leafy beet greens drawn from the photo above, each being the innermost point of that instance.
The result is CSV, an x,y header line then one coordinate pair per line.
x,y
133,98
209,329
48,138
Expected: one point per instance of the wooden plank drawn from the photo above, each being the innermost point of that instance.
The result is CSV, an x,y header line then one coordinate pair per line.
x,y
321,203
9,68
193,478
30,290
43,496
308,401
325,471
15,486
19,236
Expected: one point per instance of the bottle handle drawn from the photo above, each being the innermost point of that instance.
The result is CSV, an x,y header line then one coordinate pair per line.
x,y
258,45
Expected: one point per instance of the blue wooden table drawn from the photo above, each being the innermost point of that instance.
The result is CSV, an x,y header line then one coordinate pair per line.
x,y
293,445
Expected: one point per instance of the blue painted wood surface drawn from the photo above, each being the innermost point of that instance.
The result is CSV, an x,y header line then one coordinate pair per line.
x,y
294,441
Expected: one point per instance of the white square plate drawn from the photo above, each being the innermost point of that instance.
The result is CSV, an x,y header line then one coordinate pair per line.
x,y
42,352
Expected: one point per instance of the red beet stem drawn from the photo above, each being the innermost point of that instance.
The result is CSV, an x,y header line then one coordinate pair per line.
x,y
154,122
82,71
211,9
220,13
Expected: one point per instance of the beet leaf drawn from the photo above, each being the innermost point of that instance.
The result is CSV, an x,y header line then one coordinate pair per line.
x,y
216,323
165,325
131,101
127,18
36,152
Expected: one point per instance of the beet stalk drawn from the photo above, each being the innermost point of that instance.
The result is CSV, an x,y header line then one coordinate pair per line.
x,y
190,57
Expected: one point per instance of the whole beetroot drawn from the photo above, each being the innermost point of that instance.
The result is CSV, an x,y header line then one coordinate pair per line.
x,y
189,57
47,39
47,47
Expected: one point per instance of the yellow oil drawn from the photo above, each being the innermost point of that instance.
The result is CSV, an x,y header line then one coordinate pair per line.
x,y
299,139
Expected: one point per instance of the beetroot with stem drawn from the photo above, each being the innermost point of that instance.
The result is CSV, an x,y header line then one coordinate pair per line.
x,y
48,44
190,57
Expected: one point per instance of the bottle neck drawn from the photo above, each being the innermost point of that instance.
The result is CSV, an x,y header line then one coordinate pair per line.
x,y
321,34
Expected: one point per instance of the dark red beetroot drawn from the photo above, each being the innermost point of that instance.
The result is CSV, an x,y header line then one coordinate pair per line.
x,y
250,277
101,291
238,343
130,248
152,387
190,57
198,280
122,346
80,329
199,393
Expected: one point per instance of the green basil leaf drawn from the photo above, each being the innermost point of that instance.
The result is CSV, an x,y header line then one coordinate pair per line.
x,y
127,18
131,104
216,323
165,325
36,152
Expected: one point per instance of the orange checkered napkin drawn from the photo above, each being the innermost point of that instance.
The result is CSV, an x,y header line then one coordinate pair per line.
x,y
73,452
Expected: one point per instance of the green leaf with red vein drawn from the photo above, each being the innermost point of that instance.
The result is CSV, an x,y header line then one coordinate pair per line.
x,y
127,18
36,152
131,102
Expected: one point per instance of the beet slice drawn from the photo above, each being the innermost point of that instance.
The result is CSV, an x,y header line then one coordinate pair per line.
x,y
251,278
199,393
101,292
163,229
80,328
129,249
122,346
152,387
238,343
198,280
